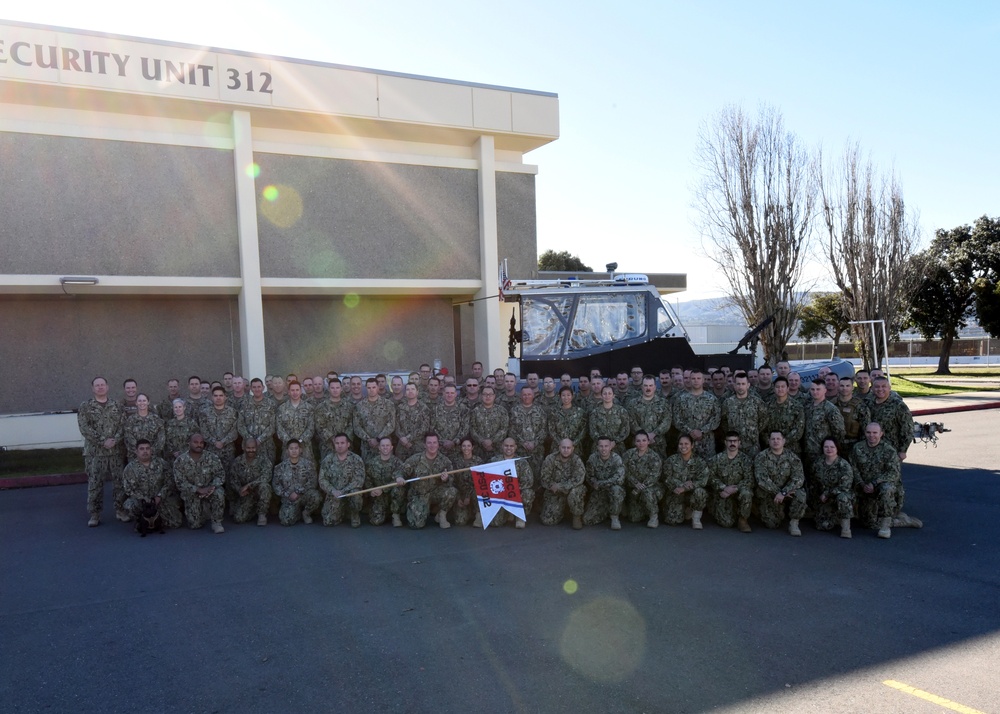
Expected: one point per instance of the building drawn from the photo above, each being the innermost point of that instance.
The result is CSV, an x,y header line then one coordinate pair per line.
x,y
172,210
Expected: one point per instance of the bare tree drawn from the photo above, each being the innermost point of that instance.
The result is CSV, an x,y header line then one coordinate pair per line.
x,y
757,205
869,241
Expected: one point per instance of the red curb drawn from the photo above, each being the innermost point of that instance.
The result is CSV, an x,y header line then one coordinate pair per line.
x,y
953,410
47,480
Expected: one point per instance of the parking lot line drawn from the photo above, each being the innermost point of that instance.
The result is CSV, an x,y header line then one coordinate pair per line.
x,y
935,699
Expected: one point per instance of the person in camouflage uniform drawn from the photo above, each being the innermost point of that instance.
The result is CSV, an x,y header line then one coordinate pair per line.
x,y
148,478
342,472
219,425
892,414
780,482
101,423
730,481
381,470
294,482
143,425
567,421
466,508
797,393
526,483
822,419
178,432
787,415
200,480
856,412
450,421
509,397
248,486
746,414
685,479
488,424
548,399
651,413
528,429
610,419
606,483
877,480
832,498
374,417
333,416
413,421
257,421
563,476
424,495
294,420
165,409
697,414
643,479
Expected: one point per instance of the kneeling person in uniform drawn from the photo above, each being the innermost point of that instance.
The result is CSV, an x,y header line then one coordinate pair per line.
x,y
606,483
780,484
200,479
341,472
295,484
730,478
248,487
148,479
563,476
424,495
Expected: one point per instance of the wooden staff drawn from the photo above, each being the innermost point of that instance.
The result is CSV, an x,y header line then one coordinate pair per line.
x,y
420,478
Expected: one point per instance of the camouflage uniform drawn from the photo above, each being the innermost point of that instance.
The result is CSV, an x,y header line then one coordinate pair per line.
x,y
647,470
896,421
508,401
450,424
165,409
464,515
149,427
412,422
373,420
613,423
331,418
567,475
99,422
676,472
423,495
836,482
857,415
178,434
527,485
146,483
722,472
190,475
297,478
257,422
606,482
220,425
529,424
788,418
567,424
295,422
256,474
548,403
345,475
779,474
655,417
822,420
881,467
698,412
489,425
748,418
391,500
194,406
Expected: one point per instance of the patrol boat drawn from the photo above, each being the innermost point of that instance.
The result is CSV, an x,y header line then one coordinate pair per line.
x,y
574,325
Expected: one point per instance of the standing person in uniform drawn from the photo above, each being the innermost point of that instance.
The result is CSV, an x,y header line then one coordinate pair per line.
x,y
488,424
101,421
697,414
143,424
257,421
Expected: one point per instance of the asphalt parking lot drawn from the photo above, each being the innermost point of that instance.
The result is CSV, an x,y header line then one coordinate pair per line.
x,y
545,619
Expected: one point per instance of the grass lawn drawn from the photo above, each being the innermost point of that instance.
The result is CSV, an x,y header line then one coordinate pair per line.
x,y
907,388
37,462
962,371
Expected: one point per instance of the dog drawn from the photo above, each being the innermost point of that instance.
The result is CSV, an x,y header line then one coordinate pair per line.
x,y
149,519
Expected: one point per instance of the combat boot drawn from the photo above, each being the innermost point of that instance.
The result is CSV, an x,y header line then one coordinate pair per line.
x,y
616,525
262,520
355,521
397,522
654,521
744,526
478,522
845,527
793,527
696,520
442,519
306,518
95,520
885,528
217,527
577,522
519,523
123,516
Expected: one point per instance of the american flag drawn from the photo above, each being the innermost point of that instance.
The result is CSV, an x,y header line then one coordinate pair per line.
x,y
504,281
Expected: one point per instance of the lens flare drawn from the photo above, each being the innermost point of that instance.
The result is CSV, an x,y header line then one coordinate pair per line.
x,y
570,587
282,205
393,351
352,300
604,640
253,170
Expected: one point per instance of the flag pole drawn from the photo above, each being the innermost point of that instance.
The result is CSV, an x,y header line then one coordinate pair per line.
x,y
393,484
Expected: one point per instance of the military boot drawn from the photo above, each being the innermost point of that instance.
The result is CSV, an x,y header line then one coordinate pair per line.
x,y
696,520
744,526
654,521
217,527
845,527
519,523
262,520
95,520
442,519
885,528
577,522
616,525
793,527
478,522
397,522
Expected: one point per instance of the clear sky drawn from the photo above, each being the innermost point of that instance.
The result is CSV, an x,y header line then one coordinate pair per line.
x,y
915,82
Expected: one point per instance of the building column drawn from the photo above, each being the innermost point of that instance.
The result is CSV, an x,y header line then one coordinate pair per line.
x,y
250,302
490,348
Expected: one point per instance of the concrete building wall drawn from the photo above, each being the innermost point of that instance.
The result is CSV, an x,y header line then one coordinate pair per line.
x,y
517,223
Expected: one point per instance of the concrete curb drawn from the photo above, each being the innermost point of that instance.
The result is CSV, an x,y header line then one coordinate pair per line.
x,y
46,480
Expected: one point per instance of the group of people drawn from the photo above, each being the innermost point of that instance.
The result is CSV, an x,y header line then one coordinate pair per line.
x,y
643,447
